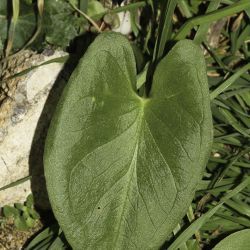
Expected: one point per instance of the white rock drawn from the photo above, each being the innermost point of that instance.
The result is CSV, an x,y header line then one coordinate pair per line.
x,y
22,132
125,26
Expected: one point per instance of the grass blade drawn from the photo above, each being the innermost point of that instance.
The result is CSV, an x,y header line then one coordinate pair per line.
x,y
44,238
13,22
61,59
211,17
229,82
16,183
184,8
234,122
40,7
203,29
196,225
165,28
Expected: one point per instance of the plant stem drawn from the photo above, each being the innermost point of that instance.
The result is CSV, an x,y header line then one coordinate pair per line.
x,y
184,8
165,28
40,7
87,17
12,27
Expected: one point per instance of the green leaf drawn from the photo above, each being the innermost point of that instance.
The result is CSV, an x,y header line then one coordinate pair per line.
x,y
60,23
34,214
1,47
44,239
165,28
25,26
122,170
58,244
20,207
9,211
95,8
21,224
30,201
30,222
25,214
239,240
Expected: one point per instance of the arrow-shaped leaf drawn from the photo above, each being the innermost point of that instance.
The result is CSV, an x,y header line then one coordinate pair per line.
x,y
121,170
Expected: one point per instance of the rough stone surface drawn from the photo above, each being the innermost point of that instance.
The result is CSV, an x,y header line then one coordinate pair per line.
x,y
26,115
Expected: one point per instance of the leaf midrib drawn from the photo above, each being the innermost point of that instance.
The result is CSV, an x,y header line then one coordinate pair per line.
x,y
130,169
141,118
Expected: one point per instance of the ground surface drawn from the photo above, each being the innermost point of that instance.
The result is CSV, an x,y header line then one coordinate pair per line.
x,y
13,239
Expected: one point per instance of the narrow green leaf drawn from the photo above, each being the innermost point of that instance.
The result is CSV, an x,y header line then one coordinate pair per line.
x,y
231,80
240,220
15,183
165,28
44,238
142,77
30,222
34,214
203,29
196,225
30,201
40,7
20,223
61,59
57,244
239,206
22,25
13,24
183,5
234,122
210,17
9,211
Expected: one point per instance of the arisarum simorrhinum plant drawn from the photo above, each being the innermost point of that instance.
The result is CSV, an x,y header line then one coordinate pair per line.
x,y
121,169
